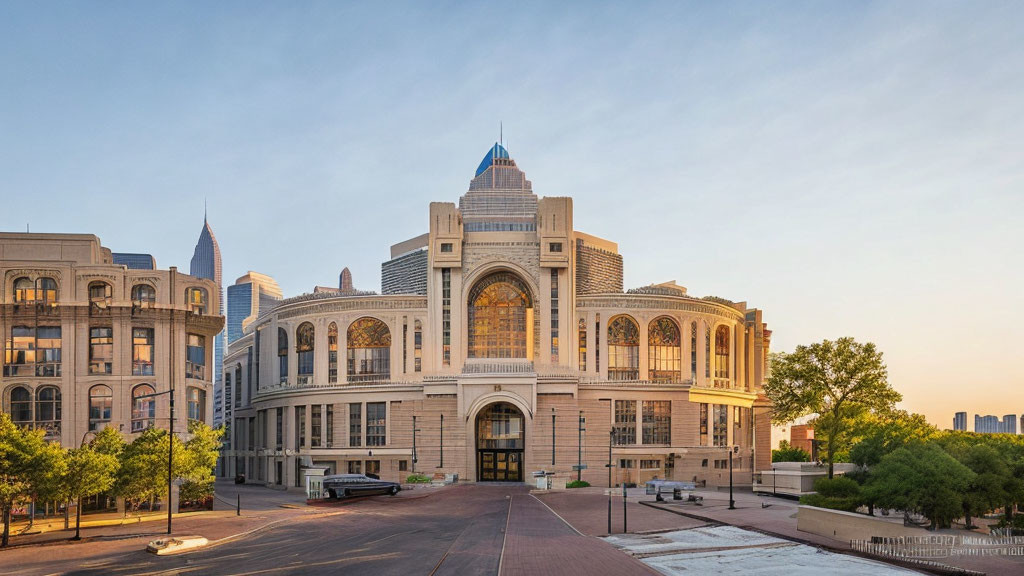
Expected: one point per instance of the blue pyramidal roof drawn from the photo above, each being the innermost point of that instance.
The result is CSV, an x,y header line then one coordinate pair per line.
x,y
496,151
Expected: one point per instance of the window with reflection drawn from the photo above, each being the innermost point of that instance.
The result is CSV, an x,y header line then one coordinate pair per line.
x,y
664,350
657,422
21,406
48,409
143,409
48,355
623,349
101,350
722,352
143,295
46,290
500,318
101,402
332,353
376,423
369,350
195,398
417,338
195,300
24,291
500,426
282,355
142,351
624,430
583,344
304,344
101,295
20,352
720,425
195,356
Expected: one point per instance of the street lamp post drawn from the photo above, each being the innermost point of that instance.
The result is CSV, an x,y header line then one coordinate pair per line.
x,y
579,449
414,431
611,436
441,465
170,451
732,503
552,436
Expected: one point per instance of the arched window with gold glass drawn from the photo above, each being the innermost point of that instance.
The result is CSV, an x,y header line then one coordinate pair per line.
x,y
24,291
500,318
143,407
101,295
332,353
195,300
304,345
143,296
369,350
623,349
46,290
664,352
722,352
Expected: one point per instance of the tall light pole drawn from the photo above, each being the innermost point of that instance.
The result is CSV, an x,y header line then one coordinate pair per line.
x,y
611,436
579,449
732,503
414,431
552,436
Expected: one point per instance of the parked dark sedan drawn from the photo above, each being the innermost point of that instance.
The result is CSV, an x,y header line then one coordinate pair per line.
x,y
345,485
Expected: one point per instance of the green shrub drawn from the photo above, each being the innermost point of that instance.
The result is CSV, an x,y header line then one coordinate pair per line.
x,y
578,484
417,479
839,493
789,453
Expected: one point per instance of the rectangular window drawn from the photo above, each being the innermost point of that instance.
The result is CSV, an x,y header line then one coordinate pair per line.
x,y
657,422
316,423
720,433
417,341
20,354
48,345
329,433
142,351
101,350
583,345
300,427
405,344
446,247
373,467
446,316
376,423
650,464
355,425
195,357
707,351
555,247
332,354
279,428
196,400
625,422
403,465
355,467
597,343
554,315
703,424
626,464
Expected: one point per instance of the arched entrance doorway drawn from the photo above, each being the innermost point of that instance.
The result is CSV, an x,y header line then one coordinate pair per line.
x,y
500,439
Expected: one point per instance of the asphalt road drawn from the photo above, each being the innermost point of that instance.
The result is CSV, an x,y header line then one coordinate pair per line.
x,y
454,532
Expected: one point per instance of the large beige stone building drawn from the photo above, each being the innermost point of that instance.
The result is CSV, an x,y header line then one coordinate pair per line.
x,y
85,338
498,333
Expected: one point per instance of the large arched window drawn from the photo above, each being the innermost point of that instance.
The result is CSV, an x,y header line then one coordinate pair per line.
x,y
21,406
101,295
332,353
663,350
143,295
623,349
101,402
282,355
500,318
143,408
24,291
195,300
369,350
722,352
48,410
304,344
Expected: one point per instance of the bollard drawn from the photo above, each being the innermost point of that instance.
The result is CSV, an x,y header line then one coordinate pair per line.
x,y
238,504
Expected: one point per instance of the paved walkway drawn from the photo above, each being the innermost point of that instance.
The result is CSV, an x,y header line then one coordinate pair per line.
x,y
538,542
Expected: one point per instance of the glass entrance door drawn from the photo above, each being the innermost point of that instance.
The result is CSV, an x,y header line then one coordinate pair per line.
x,y
500,439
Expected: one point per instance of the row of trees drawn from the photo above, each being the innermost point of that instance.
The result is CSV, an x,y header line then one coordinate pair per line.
x,y
33,470
904,462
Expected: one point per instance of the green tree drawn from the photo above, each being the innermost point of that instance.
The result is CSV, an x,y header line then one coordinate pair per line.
x,y
838,382
789,453
839,493
199,458
142,475
47,469
922,478
15,464
880,434
90,472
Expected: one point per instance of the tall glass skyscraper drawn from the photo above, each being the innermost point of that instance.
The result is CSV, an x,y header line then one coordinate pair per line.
x,y
206,263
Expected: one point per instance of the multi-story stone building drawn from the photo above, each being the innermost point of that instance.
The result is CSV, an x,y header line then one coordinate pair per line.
x,y
521,352
86,339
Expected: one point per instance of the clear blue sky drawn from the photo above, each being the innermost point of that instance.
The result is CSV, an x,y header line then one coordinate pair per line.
x,y
851,168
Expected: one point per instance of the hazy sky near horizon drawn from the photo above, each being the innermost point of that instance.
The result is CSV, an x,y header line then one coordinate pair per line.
x,y
854,169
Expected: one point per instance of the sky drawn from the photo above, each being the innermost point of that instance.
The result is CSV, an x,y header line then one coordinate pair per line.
x,y
851,168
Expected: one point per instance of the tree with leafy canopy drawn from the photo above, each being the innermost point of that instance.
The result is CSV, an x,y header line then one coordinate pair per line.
x,y
143,473
922,478
198,461
837,382
15,463
789,453
92,469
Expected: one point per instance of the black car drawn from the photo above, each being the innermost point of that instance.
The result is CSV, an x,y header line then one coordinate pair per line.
x,y
345,485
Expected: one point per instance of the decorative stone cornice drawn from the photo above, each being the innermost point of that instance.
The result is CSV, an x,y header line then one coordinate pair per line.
x,y
334,303
658,302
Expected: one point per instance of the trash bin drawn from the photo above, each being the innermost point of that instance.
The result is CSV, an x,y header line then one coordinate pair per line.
x,y
240,479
